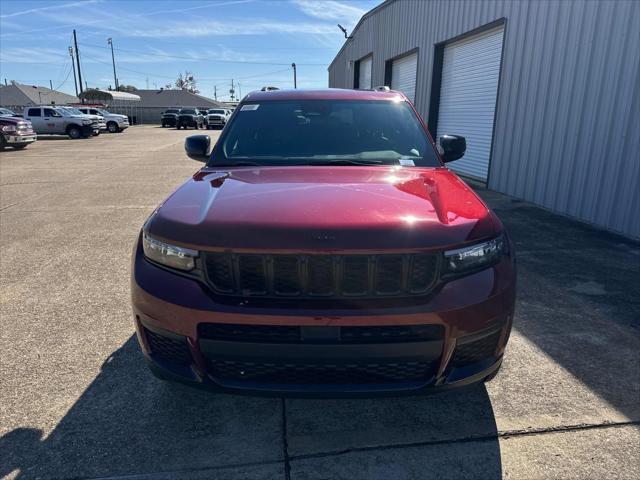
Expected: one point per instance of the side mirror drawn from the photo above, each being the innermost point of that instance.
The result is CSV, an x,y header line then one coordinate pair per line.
x,y
453,147
197,147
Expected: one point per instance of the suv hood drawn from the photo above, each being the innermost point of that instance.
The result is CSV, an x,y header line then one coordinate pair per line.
x,y
323,208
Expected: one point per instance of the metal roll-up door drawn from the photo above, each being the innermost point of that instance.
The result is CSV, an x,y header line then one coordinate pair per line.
x,y
403,75
470,74
364,74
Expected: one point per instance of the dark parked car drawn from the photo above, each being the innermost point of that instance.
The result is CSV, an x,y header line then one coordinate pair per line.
x,y
169,117
189,117
324,249
16,132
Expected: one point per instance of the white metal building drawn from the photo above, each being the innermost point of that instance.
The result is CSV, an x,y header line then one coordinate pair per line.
x,y
547,93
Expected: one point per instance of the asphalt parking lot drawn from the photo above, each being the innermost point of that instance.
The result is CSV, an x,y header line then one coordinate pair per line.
x,y
76,400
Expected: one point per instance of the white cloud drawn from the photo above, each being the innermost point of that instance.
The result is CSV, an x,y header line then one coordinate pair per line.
x,y
330,10
49,7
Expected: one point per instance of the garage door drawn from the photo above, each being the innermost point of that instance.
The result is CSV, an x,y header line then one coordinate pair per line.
x,y
403,75
470,73
364,81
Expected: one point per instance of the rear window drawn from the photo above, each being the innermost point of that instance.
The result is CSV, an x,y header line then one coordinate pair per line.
x,y
313,131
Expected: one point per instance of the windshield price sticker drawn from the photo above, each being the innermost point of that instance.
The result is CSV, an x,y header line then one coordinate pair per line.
x,y
407,162
250,107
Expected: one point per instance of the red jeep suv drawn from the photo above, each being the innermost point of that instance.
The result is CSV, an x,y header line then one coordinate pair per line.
x,y
324,249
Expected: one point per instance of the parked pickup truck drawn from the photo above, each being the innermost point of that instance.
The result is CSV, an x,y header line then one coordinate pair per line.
x,y
57,121
99,118
15,132
216,117
189,117
115,122
169,117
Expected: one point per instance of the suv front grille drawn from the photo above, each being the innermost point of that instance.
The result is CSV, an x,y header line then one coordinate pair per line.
x,y
321,373
321,276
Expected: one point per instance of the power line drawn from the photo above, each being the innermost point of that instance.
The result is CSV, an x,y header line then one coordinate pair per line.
x,y
166,55
65,80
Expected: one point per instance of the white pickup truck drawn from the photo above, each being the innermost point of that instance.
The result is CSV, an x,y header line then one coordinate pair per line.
x,y
50,120
115,122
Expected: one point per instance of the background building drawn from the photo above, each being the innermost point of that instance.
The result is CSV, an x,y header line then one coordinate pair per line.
x,y
16,96
547,93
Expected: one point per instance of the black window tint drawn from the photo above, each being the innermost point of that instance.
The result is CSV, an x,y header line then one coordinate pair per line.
x,y
95,112
49,112
34,112
291,132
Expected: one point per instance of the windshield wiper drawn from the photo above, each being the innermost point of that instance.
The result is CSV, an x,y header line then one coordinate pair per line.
x,y
239,164
345,161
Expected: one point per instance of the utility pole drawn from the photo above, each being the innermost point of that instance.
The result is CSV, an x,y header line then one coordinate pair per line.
x,y
73,65
113,60
239,91
50,85
75,43
232,91
86,87
215,91
295,78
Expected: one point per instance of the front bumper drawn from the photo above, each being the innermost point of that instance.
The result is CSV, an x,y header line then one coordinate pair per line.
x,y
88,130
21,139
170,121
188,121
463,330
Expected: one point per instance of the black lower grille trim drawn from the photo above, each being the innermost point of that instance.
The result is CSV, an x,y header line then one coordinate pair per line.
x,y
293,334
320,373
169,349
467,353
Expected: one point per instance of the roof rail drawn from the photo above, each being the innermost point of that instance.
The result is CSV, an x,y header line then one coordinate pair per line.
x,y
381,88
268,89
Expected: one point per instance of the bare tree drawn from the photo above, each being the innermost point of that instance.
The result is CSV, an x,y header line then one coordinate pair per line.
x,y
126,88
187,82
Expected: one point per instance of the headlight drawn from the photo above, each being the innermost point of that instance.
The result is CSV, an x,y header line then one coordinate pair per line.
x,y
9,128
87,122
169,255
476,256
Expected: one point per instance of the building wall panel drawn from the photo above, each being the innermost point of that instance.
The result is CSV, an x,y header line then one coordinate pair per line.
x,y
568,116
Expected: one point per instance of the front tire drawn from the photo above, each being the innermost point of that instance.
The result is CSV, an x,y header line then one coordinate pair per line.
x,y
74,133
112,127
20,147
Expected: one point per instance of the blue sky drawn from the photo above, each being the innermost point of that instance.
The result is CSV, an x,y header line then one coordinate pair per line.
x,y
252,41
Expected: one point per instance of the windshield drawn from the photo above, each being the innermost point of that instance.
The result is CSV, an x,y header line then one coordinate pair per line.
x,y
172,110
188,111
64,112
75,111
219,112
325,131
